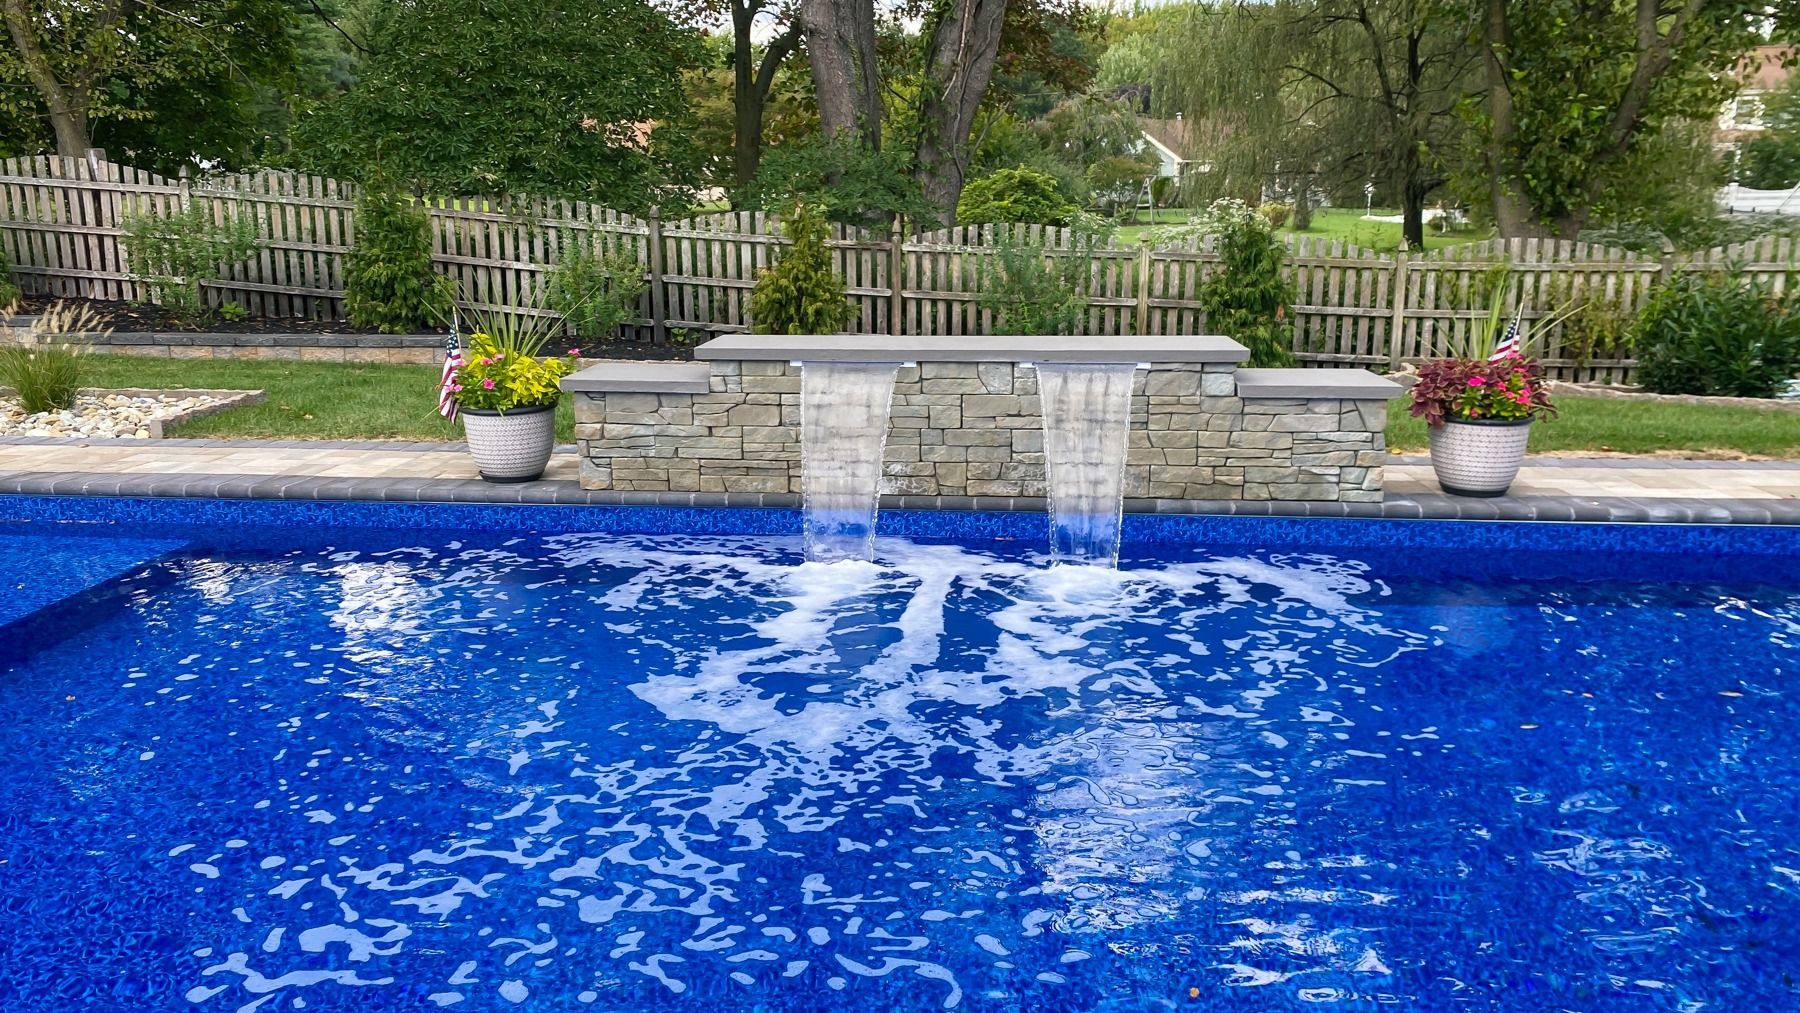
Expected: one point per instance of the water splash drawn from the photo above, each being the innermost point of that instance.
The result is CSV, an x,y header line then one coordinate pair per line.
x,y
1087,414
843,434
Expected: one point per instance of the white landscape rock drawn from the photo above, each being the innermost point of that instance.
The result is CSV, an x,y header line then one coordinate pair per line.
x,y
102,416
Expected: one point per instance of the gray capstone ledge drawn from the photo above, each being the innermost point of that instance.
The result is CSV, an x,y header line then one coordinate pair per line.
x,y
1349,384
295,339
641,377
972,348
1422,506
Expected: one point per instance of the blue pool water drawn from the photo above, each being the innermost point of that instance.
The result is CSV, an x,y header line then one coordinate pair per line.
x,y
1432,767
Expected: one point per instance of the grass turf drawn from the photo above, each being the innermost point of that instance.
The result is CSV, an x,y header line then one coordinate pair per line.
x,y
1328,223
1639,427
307,400
342,401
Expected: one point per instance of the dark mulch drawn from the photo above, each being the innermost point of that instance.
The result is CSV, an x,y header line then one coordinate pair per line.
x,y
129,316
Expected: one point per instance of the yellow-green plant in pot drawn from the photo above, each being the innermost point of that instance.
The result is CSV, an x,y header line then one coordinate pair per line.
x,y
506,392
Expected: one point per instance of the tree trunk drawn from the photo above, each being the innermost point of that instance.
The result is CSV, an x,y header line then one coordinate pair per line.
x,y
961,52
746,141
1513,214
68,104
750,90
1302,219
1412,211
840,45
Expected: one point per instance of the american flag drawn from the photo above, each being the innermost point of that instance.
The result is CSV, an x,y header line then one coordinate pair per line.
x,y
1508,346
447,379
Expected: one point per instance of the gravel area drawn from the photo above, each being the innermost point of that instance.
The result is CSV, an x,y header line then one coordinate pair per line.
x,y
105,415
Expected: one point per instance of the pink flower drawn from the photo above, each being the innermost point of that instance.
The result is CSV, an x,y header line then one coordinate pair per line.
x,y
456,388
487,384
575,352
484,361
1476,381
499,355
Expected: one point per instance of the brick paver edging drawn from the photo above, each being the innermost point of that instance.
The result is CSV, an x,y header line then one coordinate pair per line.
x,y
1427,506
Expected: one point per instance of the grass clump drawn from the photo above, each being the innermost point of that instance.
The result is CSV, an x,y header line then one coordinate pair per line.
x,y
46,374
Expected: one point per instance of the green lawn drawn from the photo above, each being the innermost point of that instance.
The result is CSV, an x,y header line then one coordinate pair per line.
x,y
340,401
307,401
1639,427
1330,223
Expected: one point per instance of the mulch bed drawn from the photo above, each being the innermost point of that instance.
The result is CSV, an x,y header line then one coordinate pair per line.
x,y
119,315
128,317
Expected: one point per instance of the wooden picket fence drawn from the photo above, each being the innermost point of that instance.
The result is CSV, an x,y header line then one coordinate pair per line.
x,y
60,227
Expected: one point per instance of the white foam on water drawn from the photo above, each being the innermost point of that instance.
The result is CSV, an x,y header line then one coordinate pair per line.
x,y
820,697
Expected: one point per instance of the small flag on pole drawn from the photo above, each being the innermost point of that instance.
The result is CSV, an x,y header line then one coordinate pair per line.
x,y
447,379
1509,344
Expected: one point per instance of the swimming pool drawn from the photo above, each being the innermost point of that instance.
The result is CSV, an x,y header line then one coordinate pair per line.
x,y
324,757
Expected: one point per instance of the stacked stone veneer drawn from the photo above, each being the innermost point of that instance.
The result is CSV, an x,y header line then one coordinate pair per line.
x,y
966,429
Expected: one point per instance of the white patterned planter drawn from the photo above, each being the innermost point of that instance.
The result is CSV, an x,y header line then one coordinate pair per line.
x,y
511,447
1478,458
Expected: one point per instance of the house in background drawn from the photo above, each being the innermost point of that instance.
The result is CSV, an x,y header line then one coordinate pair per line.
x,y
1172,142
1763,70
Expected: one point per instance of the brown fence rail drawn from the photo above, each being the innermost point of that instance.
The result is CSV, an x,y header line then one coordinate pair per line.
x,y
60,227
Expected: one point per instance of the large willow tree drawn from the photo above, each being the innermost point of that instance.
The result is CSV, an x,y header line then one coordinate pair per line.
x,y
1312,93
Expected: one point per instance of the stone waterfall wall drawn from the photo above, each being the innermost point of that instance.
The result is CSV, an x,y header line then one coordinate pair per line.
x,y
975,430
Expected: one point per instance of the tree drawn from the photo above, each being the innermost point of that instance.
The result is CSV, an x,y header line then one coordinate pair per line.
x,y
1573,89
788,112
173,79
1771,160
840,46
801,294
959,47
572,98
753,69
1304,93
1118,180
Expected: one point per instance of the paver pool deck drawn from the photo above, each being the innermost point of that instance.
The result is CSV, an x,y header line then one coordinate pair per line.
x,y
1549,488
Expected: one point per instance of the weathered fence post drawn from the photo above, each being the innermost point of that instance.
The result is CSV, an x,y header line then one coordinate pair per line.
x,y
96,215
653,252
1397,325
897,277
1143,288
1666,270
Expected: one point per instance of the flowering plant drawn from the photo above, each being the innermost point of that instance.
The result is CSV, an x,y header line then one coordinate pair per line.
x,y
1509,389
491,376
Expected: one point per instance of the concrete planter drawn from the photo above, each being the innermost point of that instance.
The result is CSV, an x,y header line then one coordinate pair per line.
x,y
1478,458
513,446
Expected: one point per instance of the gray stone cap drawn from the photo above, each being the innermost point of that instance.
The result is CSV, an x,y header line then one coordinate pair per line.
x,y
973,348
1322,383
641,378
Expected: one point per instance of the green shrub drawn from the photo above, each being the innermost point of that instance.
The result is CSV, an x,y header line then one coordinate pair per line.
x,y
1719,334
9,293
175,252
1031,289
1247,297
1275,213
801,294
593,291
839,177
1162,191
1019,195
388,281
46,376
